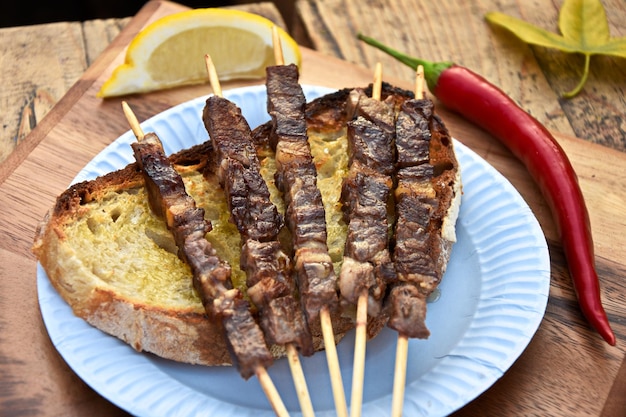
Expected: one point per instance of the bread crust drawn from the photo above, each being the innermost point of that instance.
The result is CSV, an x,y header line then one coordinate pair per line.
x,y
181,333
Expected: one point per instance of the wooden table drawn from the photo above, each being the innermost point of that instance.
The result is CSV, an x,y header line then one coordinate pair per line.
x,y
55,70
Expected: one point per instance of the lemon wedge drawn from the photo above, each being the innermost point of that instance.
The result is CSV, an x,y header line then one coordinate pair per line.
x,y
170,51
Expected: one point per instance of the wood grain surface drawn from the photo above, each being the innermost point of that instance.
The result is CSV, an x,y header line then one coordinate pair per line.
x,y
567,370
455,30
41,62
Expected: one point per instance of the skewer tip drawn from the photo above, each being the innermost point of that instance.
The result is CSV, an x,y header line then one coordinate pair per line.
x,y
419,82
358,370
278,48
302,391
214,80
341,407
399,379
378,81
132,121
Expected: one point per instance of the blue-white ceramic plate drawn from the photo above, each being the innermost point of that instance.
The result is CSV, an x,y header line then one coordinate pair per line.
x,y
493,298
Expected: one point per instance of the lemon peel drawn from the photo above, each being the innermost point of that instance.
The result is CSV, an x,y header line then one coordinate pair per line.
x,y
170,51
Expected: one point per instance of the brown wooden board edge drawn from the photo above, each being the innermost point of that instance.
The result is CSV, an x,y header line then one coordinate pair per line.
x,y
79,88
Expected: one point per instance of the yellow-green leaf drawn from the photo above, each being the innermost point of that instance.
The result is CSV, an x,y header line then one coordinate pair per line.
x,y
530,33
584,29
583,22
616,47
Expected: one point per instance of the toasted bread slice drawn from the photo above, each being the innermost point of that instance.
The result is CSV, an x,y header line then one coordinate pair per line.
x,y
116,264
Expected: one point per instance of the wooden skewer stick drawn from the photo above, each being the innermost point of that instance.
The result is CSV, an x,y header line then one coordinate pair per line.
x,y
328,334
279,58
213,78
299,381
399,376
402,348
271,392
377,87
358,368
419,82
293,357
297,374
132,121
360,340
333,363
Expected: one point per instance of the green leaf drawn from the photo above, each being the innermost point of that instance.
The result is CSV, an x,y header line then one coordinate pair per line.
x,y
584,29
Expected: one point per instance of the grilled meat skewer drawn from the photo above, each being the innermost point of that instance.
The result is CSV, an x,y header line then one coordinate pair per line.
x,y
268,269
367,265
297,178
416,203
426,197
211,276
365,196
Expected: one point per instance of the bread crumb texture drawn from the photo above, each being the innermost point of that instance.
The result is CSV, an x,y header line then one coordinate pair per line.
x,y
121,242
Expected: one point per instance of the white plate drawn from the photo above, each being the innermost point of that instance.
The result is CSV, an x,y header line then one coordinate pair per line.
x,y
493,298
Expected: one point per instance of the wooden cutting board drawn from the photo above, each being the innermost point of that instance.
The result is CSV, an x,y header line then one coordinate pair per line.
x,y
566,366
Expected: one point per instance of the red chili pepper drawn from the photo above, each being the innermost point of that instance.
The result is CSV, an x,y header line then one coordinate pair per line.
x,y
479,101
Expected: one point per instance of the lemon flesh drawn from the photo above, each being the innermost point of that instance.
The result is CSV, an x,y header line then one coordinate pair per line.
x,y
170,52
249,60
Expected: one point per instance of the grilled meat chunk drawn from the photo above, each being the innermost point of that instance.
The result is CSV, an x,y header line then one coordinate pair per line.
x,y
366,194
238,171
367,265
407,313
245,339
371,146
381,113
416,202
413,133
268,269
271,287
297,179
169,200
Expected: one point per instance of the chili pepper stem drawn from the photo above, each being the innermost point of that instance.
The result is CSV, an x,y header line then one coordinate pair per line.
x,y
432,70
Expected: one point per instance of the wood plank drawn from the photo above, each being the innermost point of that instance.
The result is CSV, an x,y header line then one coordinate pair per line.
x,y
456,30
26,100
98,35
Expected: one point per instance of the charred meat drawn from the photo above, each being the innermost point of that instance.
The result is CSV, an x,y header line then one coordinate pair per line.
x,y
268,268
211,276
367,265
416,202
238,170
297,179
